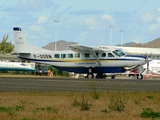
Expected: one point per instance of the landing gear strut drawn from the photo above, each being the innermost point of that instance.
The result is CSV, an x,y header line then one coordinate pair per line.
x,y
90,74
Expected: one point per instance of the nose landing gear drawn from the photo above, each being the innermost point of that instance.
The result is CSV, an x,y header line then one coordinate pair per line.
x,y
139,76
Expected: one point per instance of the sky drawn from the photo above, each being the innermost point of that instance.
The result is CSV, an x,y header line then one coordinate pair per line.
x,y
87,22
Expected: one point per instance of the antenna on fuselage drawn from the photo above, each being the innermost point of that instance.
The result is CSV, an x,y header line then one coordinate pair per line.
x,y
110,34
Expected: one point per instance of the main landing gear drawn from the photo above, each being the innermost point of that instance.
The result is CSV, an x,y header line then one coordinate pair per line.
x,y
90,75
99,76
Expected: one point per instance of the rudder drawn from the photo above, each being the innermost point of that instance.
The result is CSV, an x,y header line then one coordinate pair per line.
x,y
21,44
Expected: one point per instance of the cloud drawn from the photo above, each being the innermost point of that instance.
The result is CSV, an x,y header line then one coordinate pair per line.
x,y
108,17
34,5
82,36
42,19
37,28
86,12
155,28
89,22
147,17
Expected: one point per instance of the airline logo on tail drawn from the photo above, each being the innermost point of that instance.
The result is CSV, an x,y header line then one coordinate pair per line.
x,y
17,29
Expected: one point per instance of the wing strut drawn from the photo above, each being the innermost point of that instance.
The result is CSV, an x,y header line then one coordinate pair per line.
x,y
97,58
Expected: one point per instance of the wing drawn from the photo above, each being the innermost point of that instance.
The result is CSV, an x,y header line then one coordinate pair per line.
x,y
86,49
81,48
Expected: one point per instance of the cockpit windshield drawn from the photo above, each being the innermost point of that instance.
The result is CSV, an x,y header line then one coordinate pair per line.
x,y
119,53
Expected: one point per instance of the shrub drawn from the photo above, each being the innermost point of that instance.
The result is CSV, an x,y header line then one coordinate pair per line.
x,y
117,102
94,90
149,113
82,103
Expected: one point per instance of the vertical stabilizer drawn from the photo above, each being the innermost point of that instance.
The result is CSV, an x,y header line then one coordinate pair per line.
x,y
21,44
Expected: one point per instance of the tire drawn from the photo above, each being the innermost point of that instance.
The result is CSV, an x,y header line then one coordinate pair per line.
x,y
90,75
139,76
99,75
113,77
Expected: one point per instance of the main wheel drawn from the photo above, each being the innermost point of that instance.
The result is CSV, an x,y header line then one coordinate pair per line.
x,y
99,75
113,77
90,75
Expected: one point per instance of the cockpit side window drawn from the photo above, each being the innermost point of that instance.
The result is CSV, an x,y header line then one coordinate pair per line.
x,y
118,53
110,55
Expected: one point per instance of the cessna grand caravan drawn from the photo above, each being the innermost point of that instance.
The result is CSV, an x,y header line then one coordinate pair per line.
x,y
80,59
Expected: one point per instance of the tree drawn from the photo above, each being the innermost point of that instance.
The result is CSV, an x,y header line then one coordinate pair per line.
x,y
6,47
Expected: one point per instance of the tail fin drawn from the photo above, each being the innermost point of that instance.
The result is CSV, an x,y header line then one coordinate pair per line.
x,y
21,44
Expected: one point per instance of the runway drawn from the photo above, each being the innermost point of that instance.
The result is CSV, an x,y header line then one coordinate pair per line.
x,y
47,84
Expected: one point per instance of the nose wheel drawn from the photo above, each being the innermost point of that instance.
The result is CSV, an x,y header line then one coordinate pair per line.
x,y
139,76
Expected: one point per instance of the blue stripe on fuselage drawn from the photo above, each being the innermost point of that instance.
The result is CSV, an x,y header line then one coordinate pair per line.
x,y
83,70
139,56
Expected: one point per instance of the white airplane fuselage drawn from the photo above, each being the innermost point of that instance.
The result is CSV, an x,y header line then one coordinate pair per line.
x,y
80,64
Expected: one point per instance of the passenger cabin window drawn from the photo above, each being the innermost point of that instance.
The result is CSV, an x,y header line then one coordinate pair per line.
x,y
56,55
103,54
63,55
110,55
70,55
77,55
86,55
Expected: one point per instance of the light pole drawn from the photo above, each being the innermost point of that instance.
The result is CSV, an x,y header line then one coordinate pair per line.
x,y
111,35
122,37
56,29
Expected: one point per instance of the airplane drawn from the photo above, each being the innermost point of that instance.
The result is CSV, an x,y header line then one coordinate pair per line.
x,y
15,66
80,59
153,68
